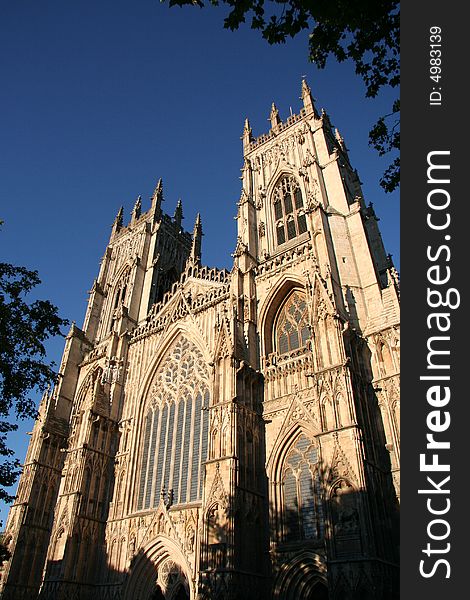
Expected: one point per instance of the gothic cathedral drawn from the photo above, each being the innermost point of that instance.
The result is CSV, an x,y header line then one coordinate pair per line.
x,y
218,435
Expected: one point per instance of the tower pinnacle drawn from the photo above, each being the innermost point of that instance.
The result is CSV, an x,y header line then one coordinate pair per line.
x,y
137,210
118,221
178,216
195,255
274,117
247,135
157,196
340,140
307,97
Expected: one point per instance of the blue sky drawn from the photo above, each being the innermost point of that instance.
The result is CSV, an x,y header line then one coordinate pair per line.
x,y
100,98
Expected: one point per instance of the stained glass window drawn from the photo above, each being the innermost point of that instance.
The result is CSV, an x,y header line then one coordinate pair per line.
x,y
289,214
302,503
174,441
292,329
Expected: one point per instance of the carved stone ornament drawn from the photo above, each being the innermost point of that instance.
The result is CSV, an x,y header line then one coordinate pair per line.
x,y
241,248
340,466
309,159
217,492
112,371
260,198
313,196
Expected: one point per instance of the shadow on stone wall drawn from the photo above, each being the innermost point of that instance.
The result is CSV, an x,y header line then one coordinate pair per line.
x,y
340,564
338,552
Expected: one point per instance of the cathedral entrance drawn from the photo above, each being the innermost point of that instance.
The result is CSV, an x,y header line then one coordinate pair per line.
x,y
179,593
156,575
172,581
303,578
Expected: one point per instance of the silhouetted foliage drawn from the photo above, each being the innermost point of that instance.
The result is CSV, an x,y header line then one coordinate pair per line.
x,y
5,554
385,137
24,327
367,32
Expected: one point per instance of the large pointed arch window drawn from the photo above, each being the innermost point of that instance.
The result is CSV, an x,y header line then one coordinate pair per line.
x,y
302,506
289,213
291,330
175,429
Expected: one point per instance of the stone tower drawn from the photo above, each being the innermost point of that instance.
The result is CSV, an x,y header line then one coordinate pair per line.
x,y
224,435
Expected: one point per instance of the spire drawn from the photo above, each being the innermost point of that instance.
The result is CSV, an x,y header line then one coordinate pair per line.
x,y
307,97
178,216
137,210
247,135
195,256
340,140
326,119
274,117
118,221
157,197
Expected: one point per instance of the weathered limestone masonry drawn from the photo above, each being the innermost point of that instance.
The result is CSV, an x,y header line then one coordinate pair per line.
x,y
225,435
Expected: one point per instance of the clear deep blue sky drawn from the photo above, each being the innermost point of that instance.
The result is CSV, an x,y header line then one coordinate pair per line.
x,y
100,98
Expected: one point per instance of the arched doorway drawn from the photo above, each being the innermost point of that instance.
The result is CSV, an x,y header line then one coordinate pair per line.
x,y
302,578
178,593
172,581
159,572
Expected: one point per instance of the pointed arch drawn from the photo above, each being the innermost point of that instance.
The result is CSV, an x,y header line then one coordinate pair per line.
x,y
58,544
289,220
118,295
384,358
343,417
282,169
302,578
287,436
170,336
291,327
271,305
145,574
172,436
120,486
301,494
89,387
344,518
296,479
223,347
283,172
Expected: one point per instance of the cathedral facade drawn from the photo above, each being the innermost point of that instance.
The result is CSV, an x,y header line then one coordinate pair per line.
x,y
226,435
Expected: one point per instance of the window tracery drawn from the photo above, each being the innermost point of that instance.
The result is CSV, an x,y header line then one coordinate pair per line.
x,y
289,212
120,296
175,429
292,327
302,499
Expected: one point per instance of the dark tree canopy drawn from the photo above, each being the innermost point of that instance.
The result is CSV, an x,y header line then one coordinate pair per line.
x,y
385,137
364,31
24,327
